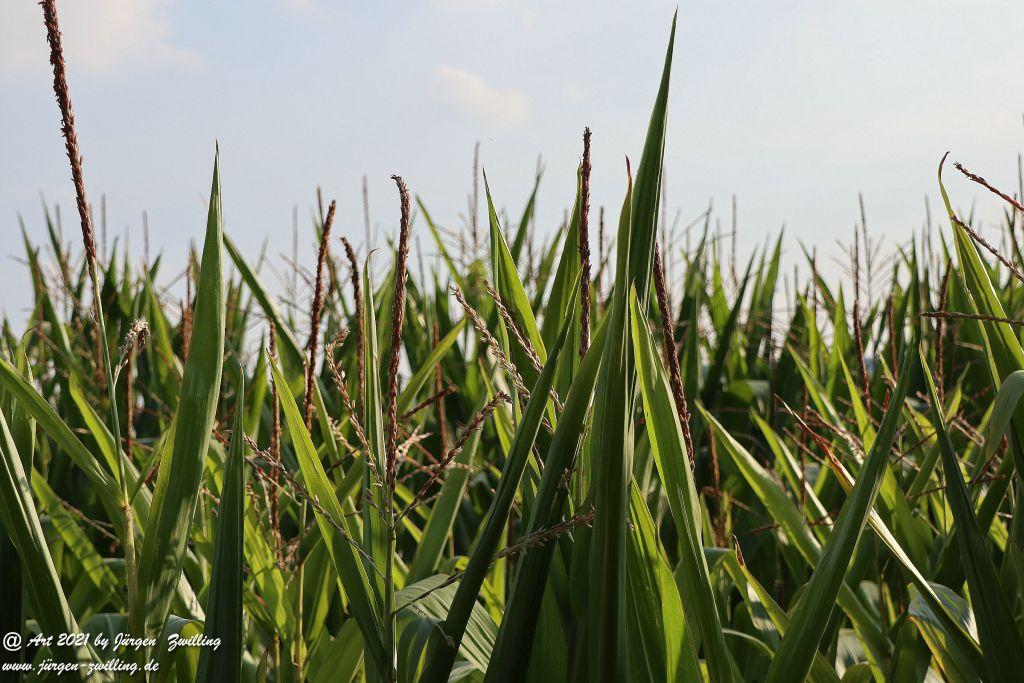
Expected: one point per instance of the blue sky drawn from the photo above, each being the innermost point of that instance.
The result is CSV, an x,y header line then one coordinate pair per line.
x,y
792,106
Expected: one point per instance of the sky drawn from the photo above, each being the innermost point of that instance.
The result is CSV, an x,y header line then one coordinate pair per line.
x,y
793,107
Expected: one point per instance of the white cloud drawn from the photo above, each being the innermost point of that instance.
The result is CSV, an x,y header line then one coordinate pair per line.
x,y
475,98
99,36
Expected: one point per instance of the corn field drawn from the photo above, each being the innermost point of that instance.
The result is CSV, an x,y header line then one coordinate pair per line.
x,y
522,461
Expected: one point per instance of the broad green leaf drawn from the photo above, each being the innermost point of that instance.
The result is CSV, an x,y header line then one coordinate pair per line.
x,y
224,608
422,608
612,459
177,490
667,444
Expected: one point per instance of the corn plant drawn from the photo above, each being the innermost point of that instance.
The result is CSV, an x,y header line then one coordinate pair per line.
x,y
525,463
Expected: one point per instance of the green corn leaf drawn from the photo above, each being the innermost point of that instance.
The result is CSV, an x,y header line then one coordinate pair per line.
x,y
660,645
954,663
374,531
47,602
177,491
443,655
509,286
1000,639
796,652
1006,403
567,274
526,219
422,607
667,444
753,592
426,369
291,350
336,659
965,640
789,518
512,651
93,565
443,513
613,410
51,423
456,273
713,382
224,609
337,532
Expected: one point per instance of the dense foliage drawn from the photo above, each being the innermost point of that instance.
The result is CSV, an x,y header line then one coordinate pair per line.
x,y
481,470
